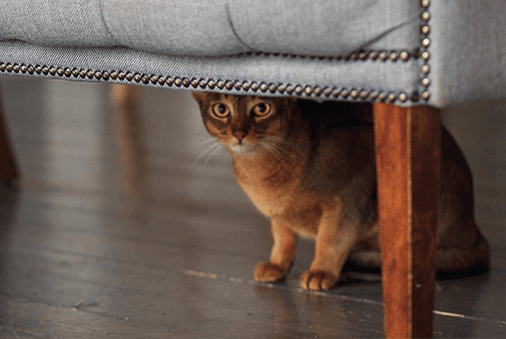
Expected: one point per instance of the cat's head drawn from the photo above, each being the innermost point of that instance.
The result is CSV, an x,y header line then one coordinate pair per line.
x,y
245,124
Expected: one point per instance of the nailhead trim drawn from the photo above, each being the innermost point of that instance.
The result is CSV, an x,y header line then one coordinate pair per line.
x,y
245,86
362,55
205,84
425,44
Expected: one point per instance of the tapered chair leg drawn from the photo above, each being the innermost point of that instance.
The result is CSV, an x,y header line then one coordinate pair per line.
x,y
8,168
408,150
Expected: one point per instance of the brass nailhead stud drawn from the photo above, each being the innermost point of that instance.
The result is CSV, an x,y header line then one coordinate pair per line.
x,y
98,75
113,75
264,87
393,56
281,89
220,84
425,82
105,75
344,93
327,91
372,95
289,89
15,68
404,56
298,90
137,77
425,69
425,29
382,56
415,97
23,68
153,79
30,69
52,70
425,55
373,56
203,83
336,93
121,75
194,82
169,81
229,85
211,84
426,42
186,82
354,93
391,97
363,94
362,55
425,95
317,91
245,86
425,3
403,97
353,57
272,88
254,86
145,79
381,96
60,71
308,90
129,76
177,82
8,67
237,85
2,66
425,16
67,72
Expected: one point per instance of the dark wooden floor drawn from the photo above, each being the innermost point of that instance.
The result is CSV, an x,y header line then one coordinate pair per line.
x,y
118,228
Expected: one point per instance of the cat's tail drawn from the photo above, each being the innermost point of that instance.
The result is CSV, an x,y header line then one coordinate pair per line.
x,y
448,260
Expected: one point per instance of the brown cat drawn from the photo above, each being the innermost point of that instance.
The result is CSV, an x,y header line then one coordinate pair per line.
x,y
310,168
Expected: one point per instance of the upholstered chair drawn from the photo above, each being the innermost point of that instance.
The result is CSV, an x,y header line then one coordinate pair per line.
x,y
409,58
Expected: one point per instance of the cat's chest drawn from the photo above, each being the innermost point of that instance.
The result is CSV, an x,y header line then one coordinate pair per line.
x,y
272,191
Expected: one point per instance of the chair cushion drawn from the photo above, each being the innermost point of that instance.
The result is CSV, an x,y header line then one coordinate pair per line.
x,y
216,27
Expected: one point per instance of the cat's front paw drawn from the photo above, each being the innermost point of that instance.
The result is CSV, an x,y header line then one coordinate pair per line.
x,y
269,272
318,280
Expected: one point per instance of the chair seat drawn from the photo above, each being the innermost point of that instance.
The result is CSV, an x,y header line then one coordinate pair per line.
x,y
427,52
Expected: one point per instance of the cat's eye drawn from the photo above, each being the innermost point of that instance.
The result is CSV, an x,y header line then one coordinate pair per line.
x,y
262,109
221,110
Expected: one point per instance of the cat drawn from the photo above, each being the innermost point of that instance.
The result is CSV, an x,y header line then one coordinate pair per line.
x,y
310,168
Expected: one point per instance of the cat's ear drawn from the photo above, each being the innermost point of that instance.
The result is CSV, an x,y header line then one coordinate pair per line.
x,y
199,96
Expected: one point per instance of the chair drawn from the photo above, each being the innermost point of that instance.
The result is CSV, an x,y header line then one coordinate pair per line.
x,y
410,58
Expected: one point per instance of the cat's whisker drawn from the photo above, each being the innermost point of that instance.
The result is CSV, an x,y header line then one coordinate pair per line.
x,y
277,152
209,149
206,142
212,153
282,148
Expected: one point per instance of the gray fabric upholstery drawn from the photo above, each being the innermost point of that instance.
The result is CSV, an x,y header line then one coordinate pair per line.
x,y
268,69
215,27
468,51
269,47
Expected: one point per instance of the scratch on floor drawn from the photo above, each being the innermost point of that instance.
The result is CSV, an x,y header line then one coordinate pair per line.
x,y
324,294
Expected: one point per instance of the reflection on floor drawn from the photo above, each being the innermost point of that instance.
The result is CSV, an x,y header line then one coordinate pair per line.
x,y
123,225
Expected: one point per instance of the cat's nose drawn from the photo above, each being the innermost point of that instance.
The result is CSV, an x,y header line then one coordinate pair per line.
x,y
239,135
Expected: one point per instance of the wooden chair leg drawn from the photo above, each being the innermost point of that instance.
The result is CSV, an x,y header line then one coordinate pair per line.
x,y
408,151
8,168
